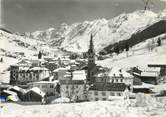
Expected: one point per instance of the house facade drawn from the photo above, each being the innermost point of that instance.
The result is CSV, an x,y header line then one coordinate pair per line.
x,y
73,89
24,74
103,91
121,76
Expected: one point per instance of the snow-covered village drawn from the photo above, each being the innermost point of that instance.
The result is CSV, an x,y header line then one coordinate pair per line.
x,y
104,67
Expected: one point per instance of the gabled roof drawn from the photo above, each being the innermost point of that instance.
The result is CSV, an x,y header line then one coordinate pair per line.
x,y
9,92
37,90
62,68
16,88
108,87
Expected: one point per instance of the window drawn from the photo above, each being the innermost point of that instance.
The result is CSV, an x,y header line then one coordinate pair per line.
x,y
51,86
112,94
44,86
96,99
96,93
112,80
103,94
104,98
119,94
121,80
27,74
116,80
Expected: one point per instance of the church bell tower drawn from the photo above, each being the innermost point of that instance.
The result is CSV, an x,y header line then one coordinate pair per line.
x,y
91,61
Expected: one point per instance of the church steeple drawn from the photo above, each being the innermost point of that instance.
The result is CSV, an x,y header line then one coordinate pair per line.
x,y
91,46
91,61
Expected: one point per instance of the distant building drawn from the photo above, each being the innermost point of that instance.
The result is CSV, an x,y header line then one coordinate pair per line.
x,y
101,75
34,94
120,76
48,87
102,91
148,75
162,67
21,74
60,73
74,88
113,75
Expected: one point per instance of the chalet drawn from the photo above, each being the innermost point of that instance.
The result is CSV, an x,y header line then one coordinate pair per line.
x,y
148,76
102,91
34,94
162,67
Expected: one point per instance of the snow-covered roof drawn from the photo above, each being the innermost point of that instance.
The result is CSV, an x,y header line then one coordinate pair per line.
x,y
9,92
38,91
117,72
152,69
79,75
149,74
39,68
24,68
144,85
45,82
15,88
62,68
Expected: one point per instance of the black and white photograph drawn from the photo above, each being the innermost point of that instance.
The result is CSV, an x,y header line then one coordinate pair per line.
x,y
82,58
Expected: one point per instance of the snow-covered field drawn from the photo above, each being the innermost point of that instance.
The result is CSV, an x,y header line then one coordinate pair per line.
x,y
4,74
143,106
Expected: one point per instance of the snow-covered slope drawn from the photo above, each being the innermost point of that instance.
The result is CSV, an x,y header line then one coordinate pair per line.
x,y
139,55
11,43
76,36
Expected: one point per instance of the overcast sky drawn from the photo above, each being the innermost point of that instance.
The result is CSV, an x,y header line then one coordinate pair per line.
x,y
30,15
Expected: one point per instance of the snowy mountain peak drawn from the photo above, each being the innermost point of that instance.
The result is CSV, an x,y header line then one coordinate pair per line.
x,y
75,37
